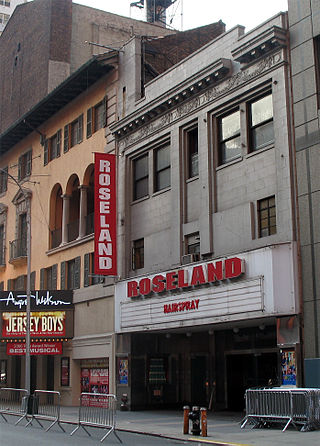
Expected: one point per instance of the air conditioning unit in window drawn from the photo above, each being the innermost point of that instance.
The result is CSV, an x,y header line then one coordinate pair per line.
x,y
190,258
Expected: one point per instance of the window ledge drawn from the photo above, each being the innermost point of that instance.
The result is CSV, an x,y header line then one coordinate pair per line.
x,y
140,199
230,163
190,180
263,149
68,245
166,189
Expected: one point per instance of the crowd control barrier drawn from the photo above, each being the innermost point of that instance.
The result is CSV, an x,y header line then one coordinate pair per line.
x,y
296,406
13,402
46,407
97,410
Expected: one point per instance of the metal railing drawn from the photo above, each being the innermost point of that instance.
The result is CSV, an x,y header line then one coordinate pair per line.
x,y
290,406
97,410
18,248
46,407
13,402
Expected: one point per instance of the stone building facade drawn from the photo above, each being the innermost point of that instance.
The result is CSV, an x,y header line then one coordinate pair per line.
x,y
208,301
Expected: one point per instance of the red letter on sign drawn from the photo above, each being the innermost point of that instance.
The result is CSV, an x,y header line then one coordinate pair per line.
x,y
171,277
233,268
198,276
215,271
132,289
158,284
145,286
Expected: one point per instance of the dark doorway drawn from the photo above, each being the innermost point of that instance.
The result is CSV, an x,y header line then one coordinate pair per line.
x,y
50,372
198,381
246,371
16,368
33,374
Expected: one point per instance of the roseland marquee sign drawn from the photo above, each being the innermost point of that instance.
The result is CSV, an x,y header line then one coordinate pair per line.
x,y
186,278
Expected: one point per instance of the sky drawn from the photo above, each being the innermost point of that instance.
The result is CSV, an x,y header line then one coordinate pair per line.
x,y
187,14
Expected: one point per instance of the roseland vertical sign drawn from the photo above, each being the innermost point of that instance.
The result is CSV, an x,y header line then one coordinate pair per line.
x,y
105,240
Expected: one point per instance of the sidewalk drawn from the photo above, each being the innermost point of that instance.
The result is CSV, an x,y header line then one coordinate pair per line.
x,y
223,428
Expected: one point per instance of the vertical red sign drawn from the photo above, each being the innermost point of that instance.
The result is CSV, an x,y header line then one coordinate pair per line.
x,y
105,215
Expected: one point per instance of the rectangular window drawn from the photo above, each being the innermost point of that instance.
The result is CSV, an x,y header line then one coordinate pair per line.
x,y
261,123
267,216
51,278
90,278
317,65
73,133
3,371
138,254
24,165
97,117
229,137
2,246
192,152
3,179
193,243
141,177
162,168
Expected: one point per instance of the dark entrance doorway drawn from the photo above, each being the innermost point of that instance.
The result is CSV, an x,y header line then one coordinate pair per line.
x,y
16,363
50,372
33,374
198,381
247,371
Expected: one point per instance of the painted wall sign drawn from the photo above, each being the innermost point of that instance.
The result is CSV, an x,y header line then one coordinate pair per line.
x,y
40,299
36,348
46,323
199,275
105,243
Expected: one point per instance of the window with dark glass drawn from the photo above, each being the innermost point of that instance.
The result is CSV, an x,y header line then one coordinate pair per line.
x,y
3,371
138,254
96,117
193,244
316,42
267,216
73,133
90,278
24,165
3,179
192,152
2,245
162,168
52,147
229,137
261,123
141,177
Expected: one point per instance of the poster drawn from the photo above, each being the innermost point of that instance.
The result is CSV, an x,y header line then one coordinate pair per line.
x,y
95,380
65,368
123,371
288,365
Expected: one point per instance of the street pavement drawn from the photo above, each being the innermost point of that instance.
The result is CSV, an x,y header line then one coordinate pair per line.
x,y
223,429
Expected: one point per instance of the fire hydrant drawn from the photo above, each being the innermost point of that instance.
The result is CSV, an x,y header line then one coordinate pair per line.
x,y
194,416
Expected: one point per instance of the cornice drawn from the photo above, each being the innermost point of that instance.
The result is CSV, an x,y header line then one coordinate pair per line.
x,y
260,45
147,124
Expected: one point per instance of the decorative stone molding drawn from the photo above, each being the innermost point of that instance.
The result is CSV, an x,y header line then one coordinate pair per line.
x,y
202,99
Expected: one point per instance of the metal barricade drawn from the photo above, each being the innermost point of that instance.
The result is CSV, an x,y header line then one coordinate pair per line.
x,y
13,402
97,410
46,407
292,406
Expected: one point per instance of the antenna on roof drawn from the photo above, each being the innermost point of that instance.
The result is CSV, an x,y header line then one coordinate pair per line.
x,y
156,10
